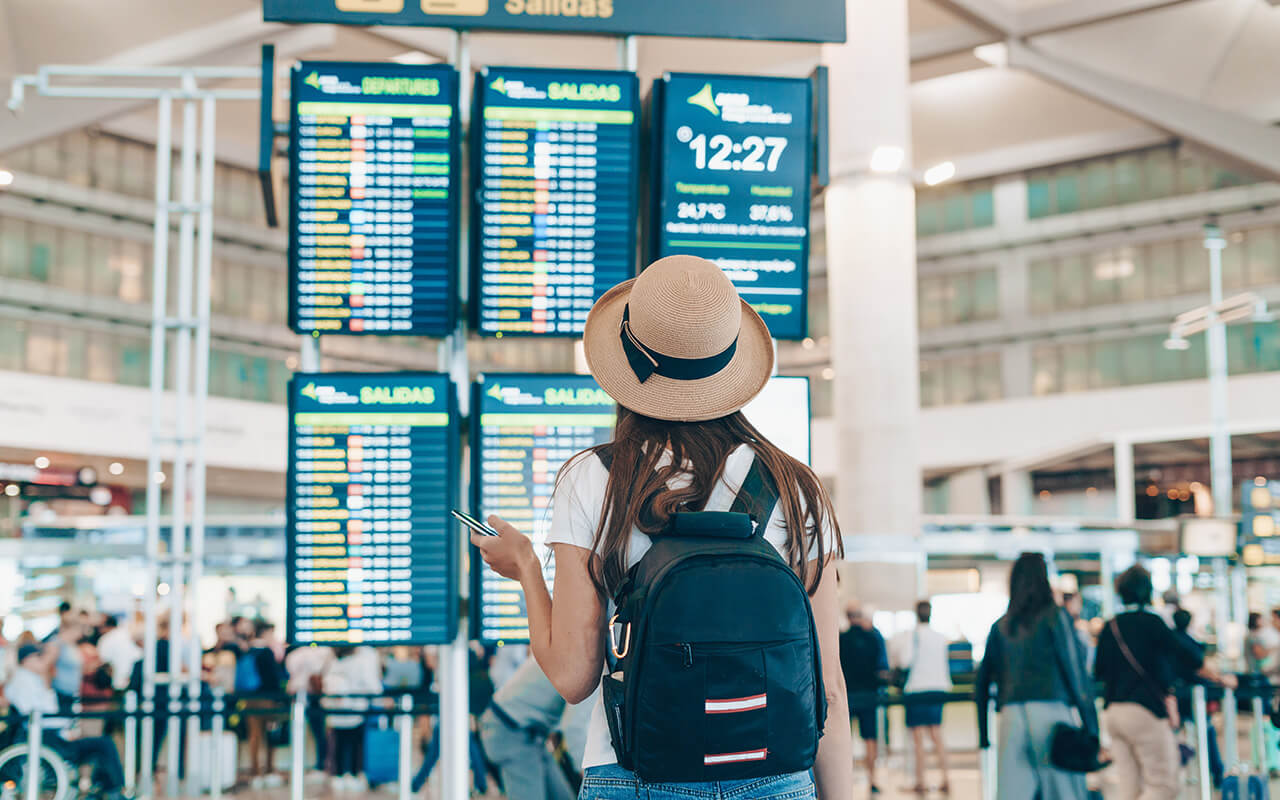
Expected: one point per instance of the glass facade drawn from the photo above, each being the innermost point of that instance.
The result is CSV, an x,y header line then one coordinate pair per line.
x,y
954,208
958,297
1123,178
956,379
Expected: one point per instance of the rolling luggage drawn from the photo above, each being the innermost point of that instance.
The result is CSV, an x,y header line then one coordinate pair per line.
x,y
381,752
1245,787
202,769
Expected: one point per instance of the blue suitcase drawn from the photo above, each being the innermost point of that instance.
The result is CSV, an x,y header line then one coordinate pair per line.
x,y
1253,787
1231,788
381,752
1258,788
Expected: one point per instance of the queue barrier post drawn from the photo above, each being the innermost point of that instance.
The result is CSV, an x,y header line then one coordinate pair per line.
x,y
405,722
1259,736
988,765
130,741
297,743
35,737
1231,745
216,729
1200,715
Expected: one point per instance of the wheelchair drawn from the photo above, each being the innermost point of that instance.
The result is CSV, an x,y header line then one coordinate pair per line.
x,y
58,777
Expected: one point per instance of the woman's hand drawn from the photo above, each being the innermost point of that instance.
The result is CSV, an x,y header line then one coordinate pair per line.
x,y
511,554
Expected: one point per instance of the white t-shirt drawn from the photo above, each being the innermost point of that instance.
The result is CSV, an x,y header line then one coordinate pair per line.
x,y
576,514
930,667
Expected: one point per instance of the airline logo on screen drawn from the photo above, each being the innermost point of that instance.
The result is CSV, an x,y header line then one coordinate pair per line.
x,y
370,395
737,107
374,85
552,396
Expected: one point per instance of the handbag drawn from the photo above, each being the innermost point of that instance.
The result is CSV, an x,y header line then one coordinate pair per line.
x,y
1170,702
1074,748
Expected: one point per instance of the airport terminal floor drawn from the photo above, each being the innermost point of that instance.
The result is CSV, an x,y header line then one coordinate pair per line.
x,y
711,400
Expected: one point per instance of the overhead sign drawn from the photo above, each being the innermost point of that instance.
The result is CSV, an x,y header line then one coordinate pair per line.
x,y
555,160
373,182
371,551
817,21
733,182
524,427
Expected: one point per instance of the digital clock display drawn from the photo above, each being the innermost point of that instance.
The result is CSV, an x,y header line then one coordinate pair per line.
x,y
733,185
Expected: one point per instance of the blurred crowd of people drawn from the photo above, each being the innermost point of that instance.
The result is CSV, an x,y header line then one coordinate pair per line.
x,y
91,660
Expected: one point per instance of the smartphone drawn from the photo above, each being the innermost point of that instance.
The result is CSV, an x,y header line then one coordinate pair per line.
x,y
473,523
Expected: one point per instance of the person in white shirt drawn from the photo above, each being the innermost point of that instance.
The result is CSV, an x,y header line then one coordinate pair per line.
x,y
922,653
356,672
118,650
29,690
306,667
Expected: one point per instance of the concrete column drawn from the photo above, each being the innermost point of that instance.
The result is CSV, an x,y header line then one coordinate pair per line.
x,y
1009,198
1015,493
871,265
967,492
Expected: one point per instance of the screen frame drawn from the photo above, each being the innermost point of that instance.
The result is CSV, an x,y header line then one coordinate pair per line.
x,y
659,97
475,141
450,97
453,469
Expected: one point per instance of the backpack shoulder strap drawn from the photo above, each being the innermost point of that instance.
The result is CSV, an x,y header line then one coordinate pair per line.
x,y
757,497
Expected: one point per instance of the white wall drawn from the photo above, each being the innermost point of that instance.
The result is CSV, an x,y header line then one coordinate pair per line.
x,y
64,415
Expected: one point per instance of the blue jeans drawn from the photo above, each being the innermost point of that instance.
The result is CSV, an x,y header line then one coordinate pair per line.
x,y
612,782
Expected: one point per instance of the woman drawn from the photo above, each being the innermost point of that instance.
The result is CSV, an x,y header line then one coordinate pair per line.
x,y
1037,663
681,354
922,654
355,674
1138,660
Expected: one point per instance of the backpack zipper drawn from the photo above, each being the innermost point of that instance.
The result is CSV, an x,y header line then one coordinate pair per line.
x,y
688,654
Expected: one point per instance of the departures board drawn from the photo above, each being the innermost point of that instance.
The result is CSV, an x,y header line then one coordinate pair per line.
x,y
554,223
524,427
371,550
732,185
373,187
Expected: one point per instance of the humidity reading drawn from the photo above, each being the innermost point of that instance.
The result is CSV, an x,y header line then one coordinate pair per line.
x,y
554,223
373,174
372,474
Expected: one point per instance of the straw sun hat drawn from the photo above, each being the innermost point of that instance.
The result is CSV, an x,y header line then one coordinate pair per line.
x,y
678,343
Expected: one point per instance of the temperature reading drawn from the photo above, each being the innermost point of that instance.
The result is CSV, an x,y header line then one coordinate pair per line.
x,y
764,213
700,210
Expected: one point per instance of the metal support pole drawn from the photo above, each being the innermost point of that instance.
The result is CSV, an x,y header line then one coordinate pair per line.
x,y
215,748
159,308
1200,714
297,746
1216,341
1230,734
1259,736
1107,570
988,762
629,53
130,741
405,723
309,356
1126,502
182,390
35,740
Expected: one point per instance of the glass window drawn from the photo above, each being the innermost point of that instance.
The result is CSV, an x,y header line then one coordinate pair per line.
x,y
1162,269
1160,171
132,263
104,281
261,296
984,209
13,247
41,253
1040,281
1097,184
1128,179
1105,270
46,159
106,163
1131,274
986,295
932,293
961,381
75,347
71,271
955,213
1166,364
1066,187
136,179
1108,364
1073,272
1261,256
932,383
102,358
46,350
1046,370
1233,264
1195,266
928,216
135,361
989,385
1075,367
1190,174
1038,204
77,168
1267,344
1136,359
13,344
959,298
1241,354
236,293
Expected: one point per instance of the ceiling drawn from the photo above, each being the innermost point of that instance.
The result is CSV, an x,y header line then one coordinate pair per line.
x,y
1217,54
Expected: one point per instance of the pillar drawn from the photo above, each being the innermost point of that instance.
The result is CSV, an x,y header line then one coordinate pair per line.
x,y
870,231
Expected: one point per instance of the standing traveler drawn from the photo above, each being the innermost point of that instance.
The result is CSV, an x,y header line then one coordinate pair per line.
x,y
68,669
1182,632
119,651
1257,647
922,654
514,730
1035,659
1137,661
259,683
306,667
695,711
864,659
348,682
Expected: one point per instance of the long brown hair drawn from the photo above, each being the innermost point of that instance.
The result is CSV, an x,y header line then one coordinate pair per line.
x,y
637,494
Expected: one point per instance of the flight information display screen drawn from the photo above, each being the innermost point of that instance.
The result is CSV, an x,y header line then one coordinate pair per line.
x,y
733,185
371,550
373,178
554,227
526,426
